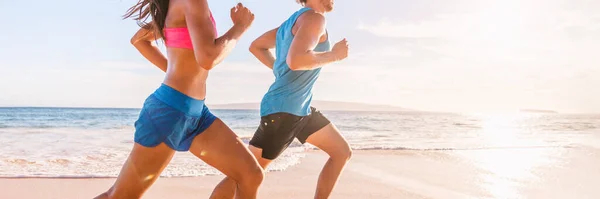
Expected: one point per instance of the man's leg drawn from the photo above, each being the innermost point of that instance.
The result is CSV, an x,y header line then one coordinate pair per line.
x,y
272,137
331,141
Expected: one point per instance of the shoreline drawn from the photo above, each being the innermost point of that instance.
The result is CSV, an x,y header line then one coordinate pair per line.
x,y
297,181
384,174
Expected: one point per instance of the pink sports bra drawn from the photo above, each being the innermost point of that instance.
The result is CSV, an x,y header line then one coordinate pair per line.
x,y
180,37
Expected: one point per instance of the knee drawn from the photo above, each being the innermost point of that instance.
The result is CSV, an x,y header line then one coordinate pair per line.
x,y
347,154
252,177
343,155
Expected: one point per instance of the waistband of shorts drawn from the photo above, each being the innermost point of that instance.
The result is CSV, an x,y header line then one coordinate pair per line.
x,y
179,101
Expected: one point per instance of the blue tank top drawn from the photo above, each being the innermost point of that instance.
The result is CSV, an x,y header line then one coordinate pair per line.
x,y
292,90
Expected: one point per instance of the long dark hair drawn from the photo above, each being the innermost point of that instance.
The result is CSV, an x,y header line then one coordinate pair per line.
x,y
157,9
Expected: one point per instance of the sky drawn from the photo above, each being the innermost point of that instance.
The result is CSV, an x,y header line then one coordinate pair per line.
x,y
435,55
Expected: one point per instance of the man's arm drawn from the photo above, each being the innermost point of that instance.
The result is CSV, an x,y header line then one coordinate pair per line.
x,y
301,55
260,47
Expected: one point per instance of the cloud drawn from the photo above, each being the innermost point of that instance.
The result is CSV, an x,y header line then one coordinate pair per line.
x,y
492,19
430,55
502,32
507,54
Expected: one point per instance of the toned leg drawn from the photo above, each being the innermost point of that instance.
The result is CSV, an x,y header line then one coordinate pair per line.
x,y
227,187
331,141
219,147
273,136
140,171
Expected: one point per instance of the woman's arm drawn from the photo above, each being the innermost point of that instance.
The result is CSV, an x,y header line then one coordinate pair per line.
x,y
210,50
143,42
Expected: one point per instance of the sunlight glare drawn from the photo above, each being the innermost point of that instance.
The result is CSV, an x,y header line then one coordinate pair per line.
x,y
515,159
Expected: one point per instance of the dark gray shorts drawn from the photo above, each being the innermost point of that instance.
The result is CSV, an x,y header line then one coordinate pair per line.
x,y
277,131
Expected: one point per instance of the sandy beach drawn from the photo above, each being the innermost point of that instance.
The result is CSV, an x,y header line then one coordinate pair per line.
x,y
370,174
297,182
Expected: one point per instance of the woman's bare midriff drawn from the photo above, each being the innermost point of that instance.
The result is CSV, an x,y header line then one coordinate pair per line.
x,y
184,75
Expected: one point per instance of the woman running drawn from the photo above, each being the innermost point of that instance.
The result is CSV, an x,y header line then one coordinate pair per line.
x,y
174,117
303,48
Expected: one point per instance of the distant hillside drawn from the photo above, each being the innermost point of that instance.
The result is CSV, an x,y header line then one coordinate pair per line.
x,y
321,105
537,111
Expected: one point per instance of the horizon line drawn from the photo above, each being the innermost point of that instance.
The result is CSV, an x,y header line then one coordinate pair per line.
x,y
221,104
543,111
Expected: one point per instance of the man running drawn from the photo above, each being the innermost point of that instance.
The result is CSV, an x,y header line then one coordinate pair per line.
x,y
303,47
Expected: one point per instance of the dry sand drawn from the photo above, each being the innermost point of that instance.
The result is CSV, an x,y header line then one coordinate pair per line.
x,y
370,174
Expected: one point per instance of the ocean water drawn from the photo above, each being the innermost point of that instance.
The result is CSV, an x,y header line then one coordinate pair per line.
x,y
88,142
